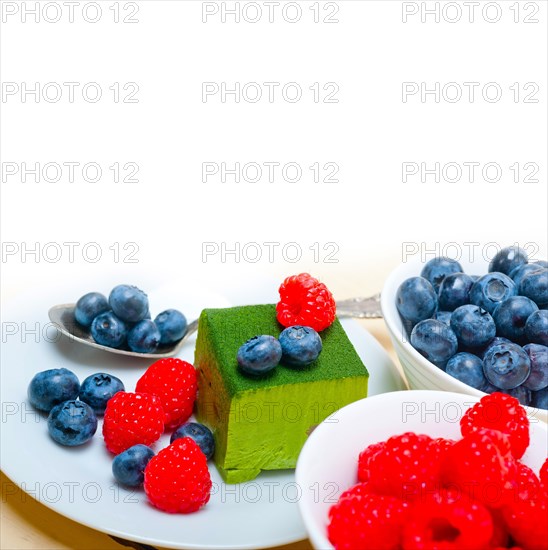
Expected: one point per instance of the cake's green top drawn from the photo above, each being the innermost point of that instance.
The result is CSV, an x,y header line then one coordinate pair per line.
x,y
229,328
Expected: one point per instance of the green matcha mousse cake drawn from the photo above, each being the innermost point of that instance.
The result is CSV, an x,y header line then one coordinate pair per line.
x,y
262,423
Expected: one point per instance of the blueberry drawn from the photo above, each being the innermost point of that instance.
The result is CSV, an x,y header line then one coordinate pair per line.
x,y
89,306
98,388
511,315
144,337
538,378
494,342
506,366
129,466
437,269
443,316
535,286
172,326
52,387
536,327
454,291
129,303
109,330
519,272
473,326
491,289
434,340
539,399
416,299
521,393
259,355
507,259
199,433
301,346
467,368
72,423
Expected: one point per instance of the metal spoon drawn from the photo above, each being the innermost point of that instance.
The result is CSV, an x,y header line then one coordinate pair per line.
x,y
62,316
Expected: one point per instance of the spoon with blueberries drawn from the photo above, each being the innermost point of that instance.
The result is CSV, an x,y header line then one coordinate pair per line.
x,y
122,324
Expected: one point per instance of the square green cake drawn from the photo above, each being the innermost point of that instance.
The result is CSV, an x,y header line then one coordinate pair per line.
x,y
262,423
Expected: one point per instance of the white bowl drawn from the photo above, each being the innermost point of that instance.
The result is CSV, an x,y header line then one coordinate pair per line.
x,y
421,373
328,462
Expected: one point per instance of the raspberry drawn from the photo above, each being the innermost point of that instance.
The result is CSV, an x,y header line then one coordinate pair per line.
x,y
404,468
500,537
527,522
440,446
174,382
305,301
367,522
360,489
543,476
177,478
527,483
365,456
502,412
132,418
446,521
481,466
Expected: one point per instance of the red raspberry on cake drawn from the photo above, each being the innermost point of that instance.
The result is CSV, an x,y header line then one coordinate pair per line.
x,y
499,411
447,521
177,479
367,522
130,419
404,468
174,382
305,301
481,466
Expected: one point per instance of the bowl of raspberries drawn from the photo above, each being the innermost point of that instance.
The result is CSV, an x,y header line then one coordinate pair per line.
x,y
473,327
426,470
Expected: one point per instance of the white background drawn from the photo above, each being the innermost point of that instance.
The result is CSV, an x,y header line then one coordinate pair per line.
x,y
170,131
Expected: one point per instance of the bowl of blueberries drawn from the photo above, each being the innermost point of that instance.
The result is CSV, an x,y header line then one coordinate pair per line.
x,y
473,327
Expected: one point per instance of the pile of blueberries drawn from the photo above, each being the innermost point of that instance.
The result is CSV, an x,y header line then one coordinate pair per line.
x,y
73,410
490,332
124,320
72,407
297,346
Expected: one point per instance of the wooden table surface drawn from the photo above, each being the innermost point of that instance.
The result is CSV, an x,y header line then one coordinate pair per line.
x,y
27,524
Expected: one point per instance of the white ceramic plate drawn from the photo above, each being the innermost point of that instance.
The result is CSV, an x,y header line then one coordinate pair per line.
x,y
78,482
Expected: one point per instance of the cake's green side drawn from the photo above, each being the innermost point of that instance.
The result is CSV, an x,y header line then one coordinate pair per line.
x,y
262,424
268,428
